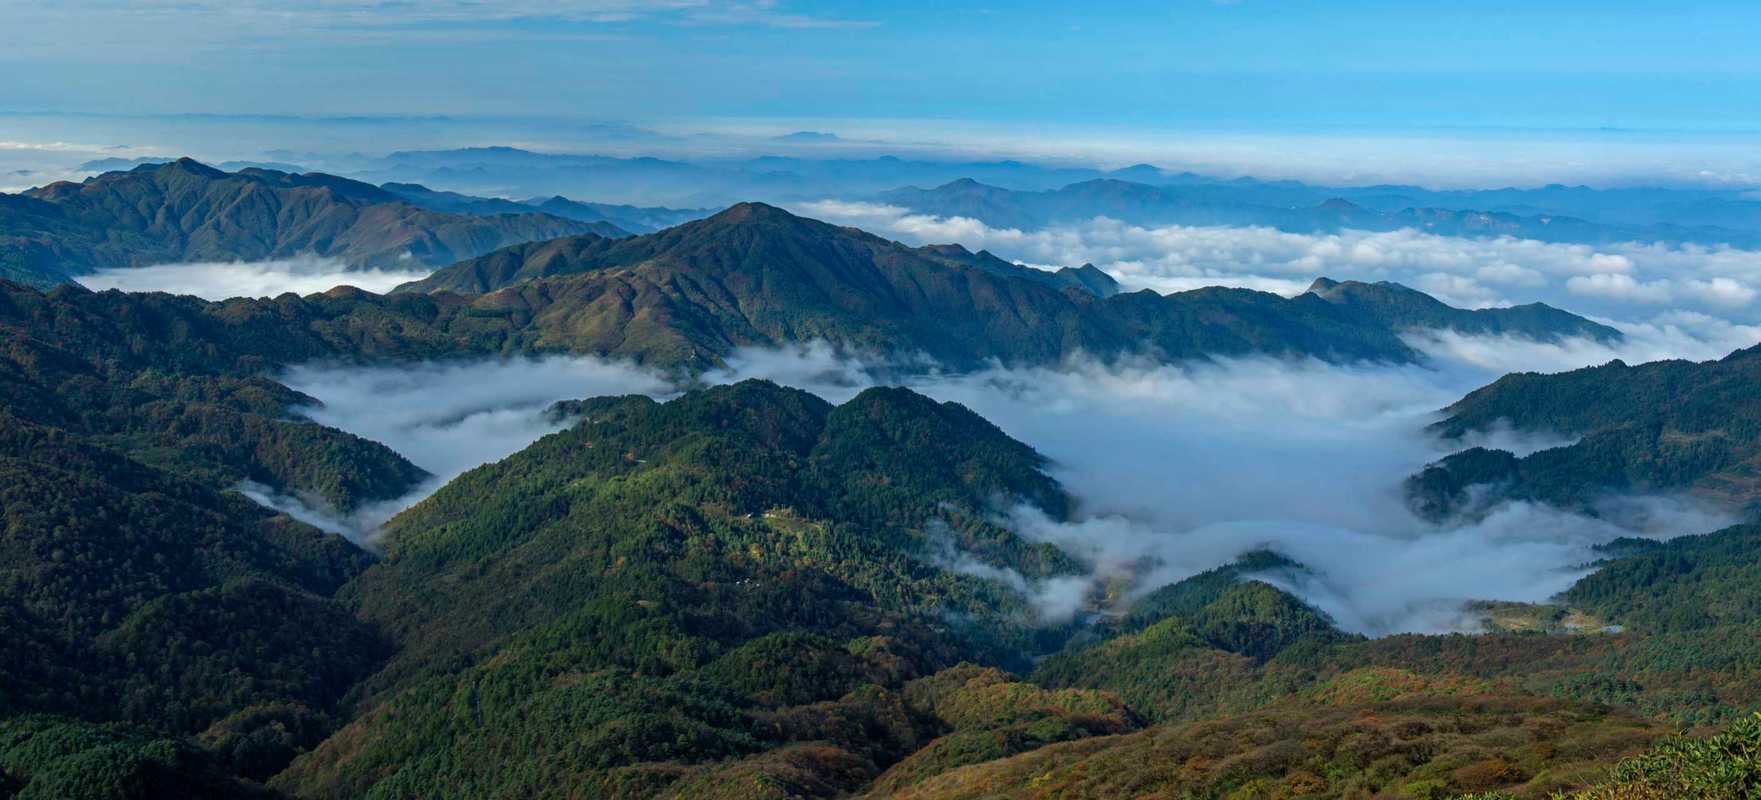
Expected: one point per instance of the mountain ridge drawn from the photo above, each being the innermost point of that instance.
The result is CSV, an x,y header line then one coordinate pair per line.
x,y
740,588
1210,204
1664,426
627,218
755,274
183,211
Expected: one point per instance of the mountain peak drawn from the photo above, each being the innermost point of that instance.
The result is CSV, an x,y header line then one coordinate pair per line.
x,y
193,167
751,211
1366,292
963,183
1339,204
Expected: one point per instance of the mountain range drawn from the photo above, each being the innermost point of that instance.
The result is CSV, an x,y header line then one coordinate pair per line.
x,y
757,275
625,217
184,211
509,171
747,591
1205,204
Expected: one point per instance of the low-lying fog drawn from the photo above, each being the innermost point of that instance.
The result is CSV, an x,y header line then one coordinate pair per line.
x,y
1623,280
219,280
1183,467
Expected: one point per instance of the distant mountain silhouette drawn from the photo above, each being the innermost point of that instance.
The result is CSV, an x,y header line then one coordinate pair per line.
x,y
631,219
1208,204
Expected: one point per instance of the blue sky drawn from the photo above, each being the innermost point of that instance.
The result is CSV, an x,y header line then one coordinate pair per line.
x,y
1251,64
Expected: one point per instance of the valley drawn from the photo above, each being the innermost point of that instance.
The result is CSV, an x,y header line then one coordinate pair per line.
x,y
759,506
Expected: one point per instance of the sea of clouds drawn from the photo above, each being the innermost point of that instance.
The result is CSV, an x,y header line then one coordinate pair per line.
x,y
1187,467
1176,468
1627,281
220,280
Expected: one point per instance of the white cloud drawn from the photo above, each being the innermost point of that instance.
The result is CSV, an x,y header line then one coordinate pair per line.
x,y
51,147
1616,280
1189,466
1689,335
220,280
446,417
1619,286
1508,274
1722,292
1182,467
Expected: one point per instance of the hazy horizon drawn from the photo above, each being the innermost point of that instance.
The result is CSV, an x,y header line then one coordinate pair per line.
x,y
1500,94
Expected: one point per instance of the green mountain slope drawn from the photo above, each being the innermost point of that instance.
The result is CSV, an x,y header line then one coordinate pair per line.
x,y
129,594
680,583
1663,426
145,606
755,274
1691,583
180,390
751,276
184,211
747,592
1434,747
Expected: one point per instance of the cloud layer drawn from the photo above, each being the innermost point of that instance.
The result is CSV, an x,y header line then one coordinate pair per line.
x,y
219,280
446,417
1177,468
1184,468
1625,281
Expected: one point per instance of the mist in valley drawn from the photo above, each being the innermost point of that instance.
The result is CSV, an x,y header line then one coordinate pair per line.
x,y
1623,280
221,280
1176,468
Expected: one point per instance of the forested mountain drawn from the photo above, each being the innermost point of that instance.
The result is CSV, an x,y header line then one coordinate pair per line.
x,y
748,592
755,274
748,588
747,237
182,391
144,611
1296,210
184,211
682,583
166,636
1662,426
